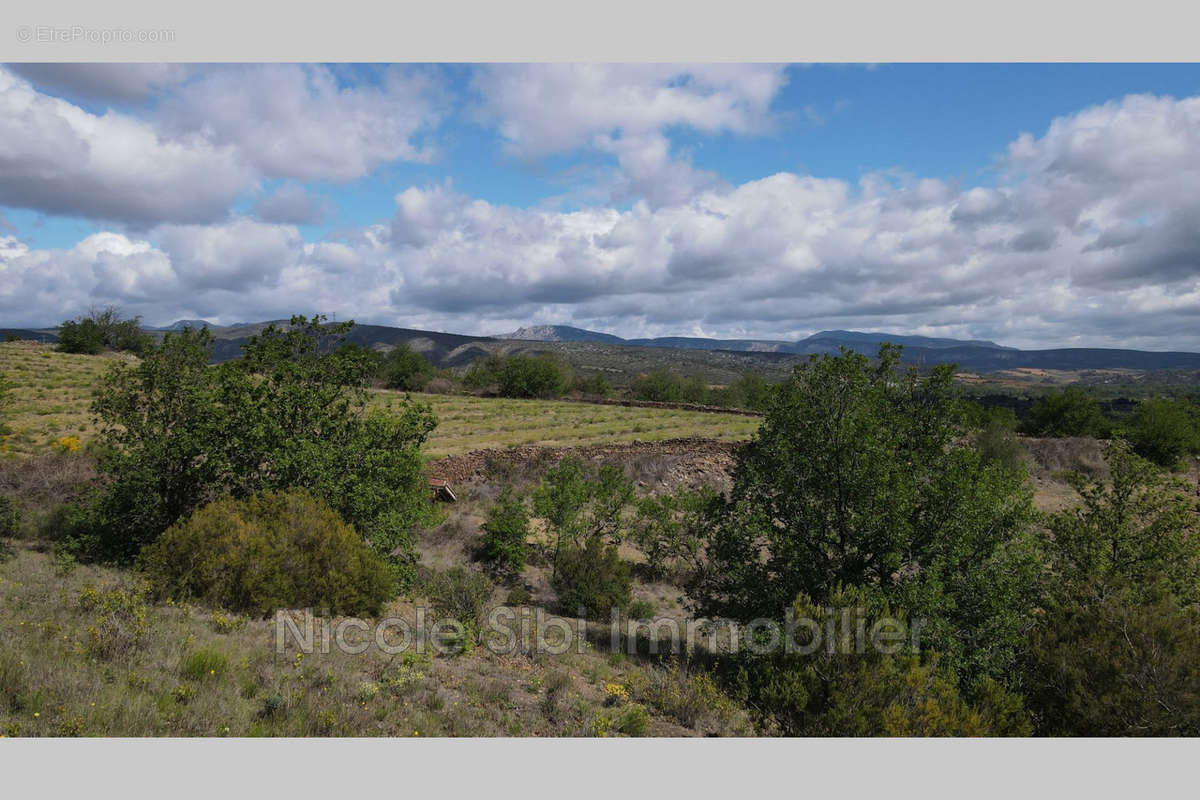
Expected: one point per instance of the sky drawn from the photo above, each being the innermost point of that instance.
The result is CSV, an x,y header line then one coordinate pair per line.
x,y
1036,205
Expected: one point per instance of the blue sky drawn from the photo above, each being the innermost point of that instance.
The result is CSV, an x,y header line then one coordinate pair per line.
x,y
1033,204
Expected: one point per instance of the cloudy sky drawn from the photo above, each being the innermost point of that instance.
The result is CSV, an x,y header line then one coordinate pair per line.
x,y
1036,205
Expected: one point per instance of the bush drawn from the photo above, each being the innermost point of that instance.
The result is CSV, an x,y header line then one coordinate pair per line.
x,y
506,530
178,433
592,580
405,368
662,386
1070,412
1117,667
1164,431
100,330
459,594
669,529
120,624
858,478
998,444
532,376
273,550
577,509
203,664
641,609
595,385
10,516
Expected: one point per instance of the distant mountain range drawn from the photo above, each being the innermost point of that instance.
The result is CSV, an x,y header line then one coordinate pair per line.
x,y
457,350
814,343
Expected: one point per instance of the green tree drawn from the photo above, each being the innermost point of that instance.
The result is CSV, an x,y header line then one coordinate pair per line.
x,y
1164,431
291,413
577,509
1070,412
103,329
405,368
858,478
1135,531
506,531
533,376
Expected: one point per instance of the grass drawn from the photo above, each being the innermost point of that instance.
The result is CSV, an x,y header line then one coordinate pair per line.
x,y
468,423
183,674
52,393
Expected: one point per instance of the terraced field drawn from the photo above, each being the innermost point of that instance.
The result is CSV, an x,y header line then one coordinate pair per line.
x,y
52,392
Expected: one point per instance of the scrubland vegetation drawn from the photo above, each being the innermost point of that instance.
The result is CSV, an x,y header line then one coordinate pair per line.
x,y
142,563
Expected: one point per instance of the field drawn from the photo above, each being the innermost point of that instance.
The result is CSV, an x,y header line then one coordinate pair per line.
x,y
53,390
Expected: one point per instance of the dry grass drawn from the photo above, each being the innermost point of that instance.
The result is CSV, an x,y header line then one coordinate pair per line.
x,y
52,393
468,423
66,670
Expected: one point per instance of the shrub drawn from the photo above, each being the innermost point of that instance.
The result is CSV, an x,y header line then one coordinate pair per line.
x,y
518,596
592,580
120,624
633,720
405,368
666,387
1163,431
998,444
10,516
532,376
100,330
1132,532
459,594
641,609
858,478
291,413
273,550
577,509
1117,667
505,533
1069,412
669,529
203,664
595,385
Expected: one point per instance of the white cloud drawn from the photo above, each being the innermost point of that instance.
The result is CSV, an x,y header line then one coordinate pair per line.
x,y
59,159
297,121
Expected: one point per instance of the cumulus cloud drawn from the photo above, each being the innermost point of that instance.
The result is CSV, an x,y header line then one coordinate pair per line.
x,y
60,159
103,82
292,204
623,110
297,121
1090,239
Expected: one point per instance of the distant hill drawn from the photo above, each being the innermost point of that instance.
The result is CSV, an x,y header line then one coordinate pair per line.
x,y
719,358
559,333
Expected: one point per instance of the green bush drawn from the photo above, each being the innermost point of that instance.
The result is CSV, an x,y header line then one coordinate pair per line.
x,y
273,550
1164,431
291,413
203,664
596,385
459,594
532,376
1117,666
506,530
858,477
100,330
998,444
1069,412
120,622
662,386
10,516
405,368
592,579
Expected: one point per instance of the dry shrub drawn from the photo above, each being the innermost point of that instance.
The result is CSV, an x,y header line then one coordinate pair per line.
x,y
1075,454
